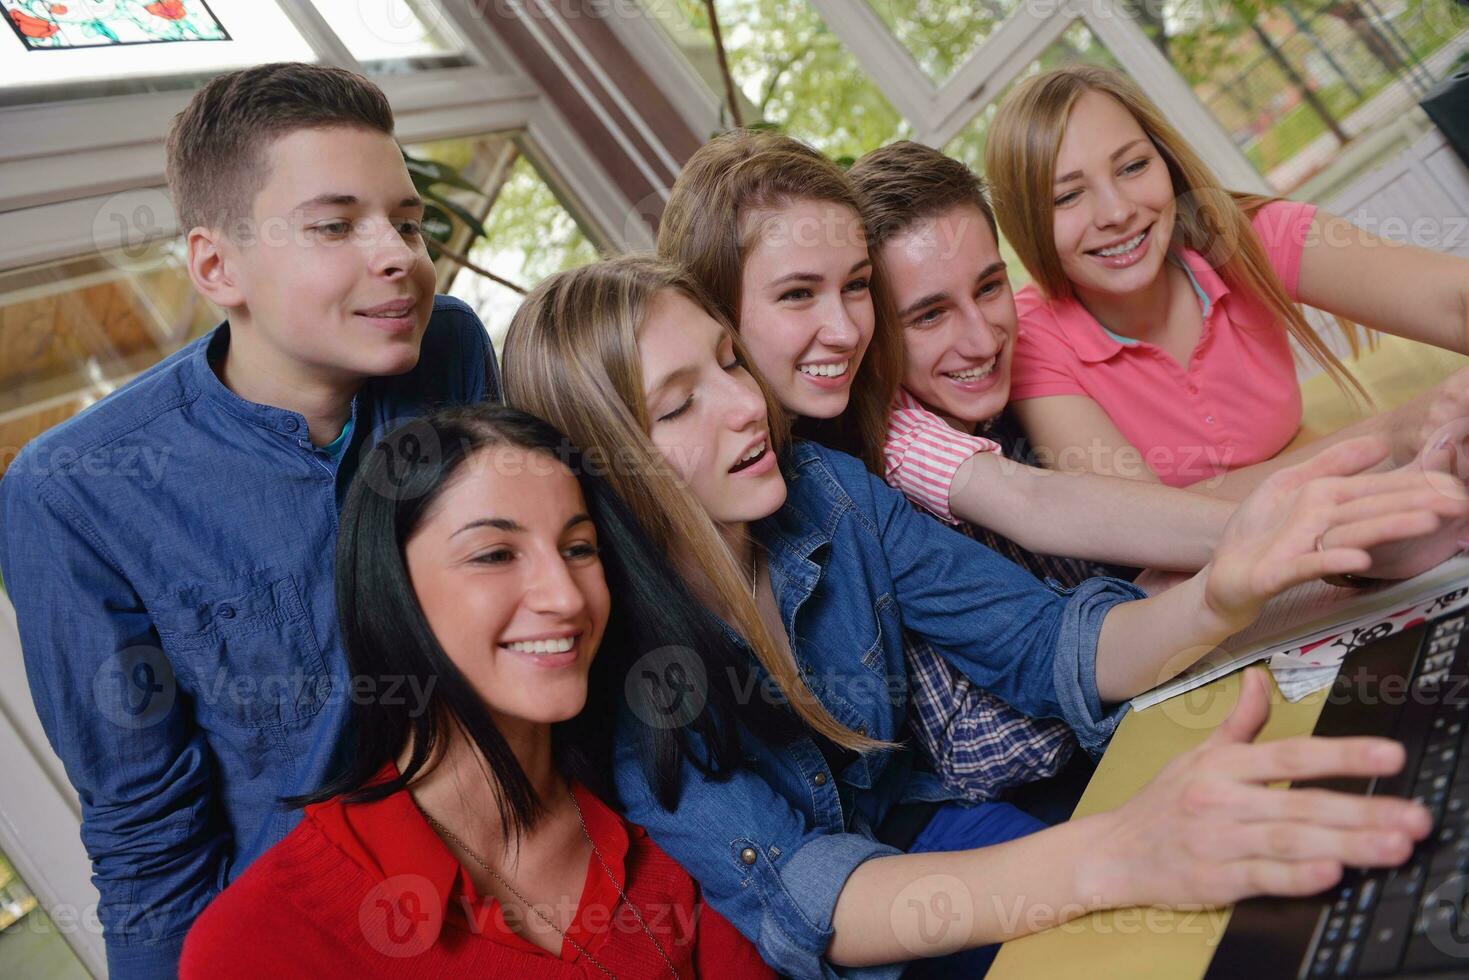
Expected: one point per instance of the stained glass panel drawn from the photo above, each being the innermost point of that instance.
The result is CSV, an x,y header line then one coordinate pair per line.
x,y
45,24
85,64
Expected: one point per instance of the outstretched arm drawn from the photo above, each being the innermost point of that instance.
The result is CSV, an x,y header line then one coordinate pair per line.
x,y
1208,830
1084,515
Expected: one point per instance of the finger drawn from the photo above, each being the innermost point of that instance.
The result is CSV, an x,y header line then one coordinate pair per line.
x,y
1243,879
1384,530
1293,841
1404,478
1418,499
1327,809
1341,489
1307,565
1250,711
1343,459
1308,757
1437,455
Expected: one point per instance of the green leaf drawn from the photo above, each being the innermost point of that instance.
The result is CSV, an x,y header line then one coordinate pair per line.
x,y
459,211
437,226
426,173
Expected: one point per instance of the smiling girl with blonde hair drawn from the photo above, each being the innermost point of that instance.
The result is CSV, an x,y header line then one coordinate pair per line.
x,y
1160,326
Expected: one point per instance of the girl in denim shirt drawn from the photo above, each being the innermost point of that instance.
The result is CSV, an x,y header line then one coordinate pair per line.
x,y
817,567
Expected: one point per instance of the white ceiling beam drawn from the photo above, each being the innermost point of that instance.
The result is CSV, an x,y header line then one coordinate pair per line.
x,y
1021,39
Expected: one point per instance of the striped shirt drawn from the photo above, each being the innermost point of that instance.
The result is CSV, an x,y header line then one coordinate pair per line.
x,y
923,452
978,745
921,456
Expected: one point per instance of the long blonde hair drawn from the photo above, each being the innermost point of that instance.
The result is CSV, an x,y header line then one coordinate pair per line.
x,y
704,229
1020,163
571,357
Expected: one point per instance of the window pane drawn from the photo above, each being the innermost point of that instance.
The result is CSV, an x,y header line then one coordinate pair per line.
x,y
255,31
942,34
72,331
390,35
792,71
529,234
30,944
1295,82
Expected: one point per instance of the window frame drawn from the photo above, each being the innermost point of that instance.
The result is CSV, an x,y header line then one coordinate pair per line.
x,y
938,113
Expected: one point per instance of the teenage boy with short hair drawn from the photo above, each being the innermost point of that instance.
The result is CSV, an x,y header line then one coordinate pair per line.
x,y
178,622
953,447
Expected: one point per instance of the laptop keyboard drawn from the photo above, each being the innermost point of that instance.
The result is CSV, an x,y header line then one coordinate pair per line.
x,y
1415,919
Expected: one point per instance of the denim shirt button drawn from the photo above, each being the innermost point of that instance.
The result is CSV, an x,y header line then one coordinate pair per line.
x,y
748,856
862,730
292,425
226,612
819,779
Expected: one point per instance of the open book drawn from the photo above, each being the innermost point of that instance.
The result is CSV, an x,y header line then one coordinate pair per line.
x,y
1311,613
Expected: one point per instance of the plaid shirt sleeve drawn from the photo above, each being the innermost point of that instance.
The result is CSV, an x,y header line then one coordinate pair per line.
x,y
979,745
923,452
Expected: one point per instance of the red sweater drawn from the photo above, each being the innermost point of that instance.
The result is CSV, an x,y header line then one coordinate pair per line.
x,y
369,890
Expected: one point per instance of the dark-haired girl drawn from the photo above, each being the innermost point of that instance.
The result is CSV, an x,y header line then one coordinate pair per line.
x,y
468,835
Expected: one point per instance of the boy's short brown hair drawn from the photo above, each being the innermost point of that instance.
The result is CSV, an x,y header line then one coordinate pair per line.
x,y
216,146
905,182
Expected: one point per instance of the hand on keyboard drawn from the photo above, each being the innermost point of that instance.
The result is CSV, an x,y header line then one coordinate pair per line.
x,y
1210,830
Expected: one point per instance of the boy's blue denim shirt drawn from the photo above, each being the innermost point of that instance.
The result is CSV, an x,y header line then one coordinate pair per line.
x,y
852,565
169,553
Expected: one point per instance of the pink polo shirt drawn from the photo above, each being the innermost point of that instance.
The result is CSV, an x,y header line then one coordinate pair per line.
x,y
1236,403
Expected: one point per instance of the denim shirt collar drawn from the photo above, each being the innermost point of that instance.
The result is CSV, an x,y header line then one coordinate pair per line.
x,y
797,548
799,554
208,351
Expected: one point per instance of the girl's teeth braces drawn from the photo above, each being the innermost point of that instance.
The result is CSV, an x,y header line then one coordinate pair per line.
x,y
1125,247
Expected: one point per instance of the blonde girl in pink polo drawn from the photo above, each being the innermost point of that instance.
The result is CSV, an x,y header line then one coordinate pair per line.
x,y
1156,340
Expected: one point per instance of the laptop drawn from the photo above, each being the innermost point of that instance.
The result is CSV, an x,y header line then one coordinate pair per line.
x,y
1404,922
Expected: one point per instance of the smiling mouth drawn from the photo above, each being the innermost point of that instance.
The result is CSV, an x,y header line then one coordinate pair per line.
x,y
975,374
395,310
825,370
751,458
561,644
1122,248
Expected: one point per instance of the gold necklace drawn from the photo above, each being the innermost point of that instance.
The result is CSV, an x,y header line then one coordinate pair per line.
x,y
542,915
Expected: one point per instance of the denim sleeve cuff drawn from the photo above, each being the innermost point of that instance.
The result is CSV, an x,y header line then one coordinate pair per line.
x,y
801,896
1075,664
145,961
